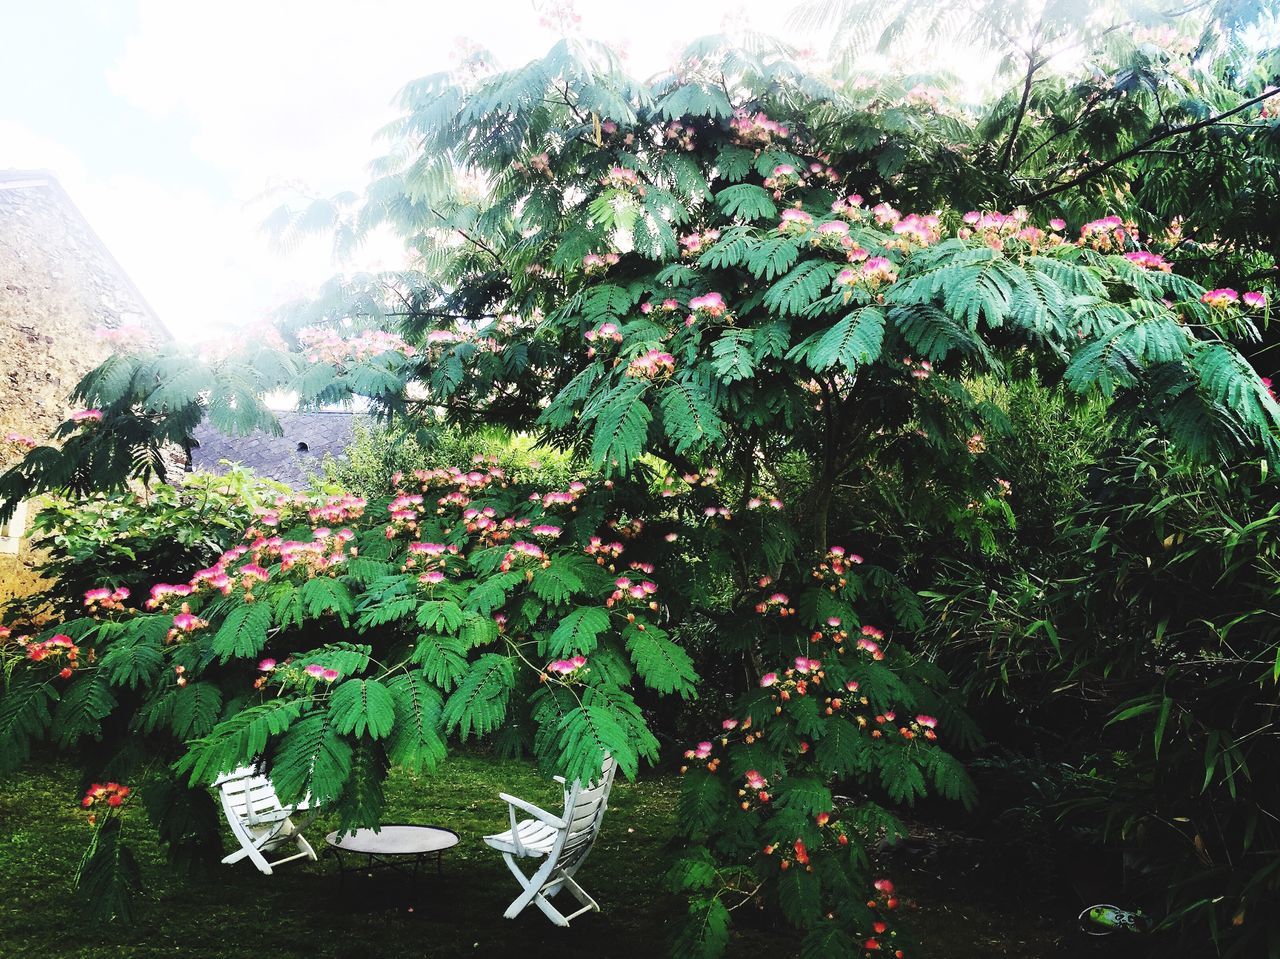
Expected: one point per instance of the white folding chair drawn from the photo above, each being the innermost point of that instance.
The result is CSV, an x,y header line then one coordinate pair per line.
x,y
562,842
258,820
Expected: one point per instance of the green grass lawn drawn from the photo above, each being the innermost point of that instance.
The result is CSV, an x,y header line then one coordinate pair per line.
x,y
302,912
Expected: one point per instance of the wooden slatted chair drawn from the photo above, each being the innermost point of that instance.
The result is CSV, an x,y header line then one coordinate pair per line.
x,y
258,820
561,842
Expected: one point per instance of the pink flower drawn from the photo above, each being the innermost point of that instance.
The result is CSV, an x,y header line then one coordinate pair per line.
x,y
1057,223
703,750
1149,261
86,415
879,269
188,622
252,571
328,675
1221,298
768,679
709,303
432,577
755,780
314,670
20,439
836,227
267,665
1255,299
928,722
729,724
792,216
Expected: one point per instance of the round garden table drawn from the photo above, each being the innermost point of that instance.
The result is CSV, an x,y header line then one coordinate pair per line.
x,y
399,847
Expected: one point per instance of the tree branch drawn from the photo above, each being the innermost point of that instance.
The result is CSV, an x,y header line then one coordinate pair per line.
x,y
1147,143
1006,154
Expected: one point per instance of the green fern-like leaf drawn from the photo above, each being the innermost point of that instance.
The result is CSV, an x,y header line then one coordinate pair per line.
x,y
236,740
479,704
362,706
415,741
196,708
313,759
243,633
732,356
324,595
853,342
621,427
662,664
688,417
747,201
25,716
577,632
443,658
801,287
557,581
83,706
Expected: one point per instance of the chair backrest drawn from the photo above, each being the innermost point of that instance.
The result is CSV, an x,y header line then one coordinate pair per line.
x,y
584,809
248,795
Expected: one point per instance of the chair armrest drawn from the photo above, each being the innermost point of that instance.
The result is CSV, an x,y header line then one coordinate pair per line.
x,y
532,810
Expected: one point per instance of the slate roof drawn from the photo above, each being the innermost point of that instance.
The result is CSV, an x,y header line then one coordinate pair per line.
x,y
293,458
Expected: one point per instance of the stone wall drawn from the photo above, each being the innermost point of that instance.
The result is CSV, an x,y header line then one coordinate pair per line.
x,y
58,285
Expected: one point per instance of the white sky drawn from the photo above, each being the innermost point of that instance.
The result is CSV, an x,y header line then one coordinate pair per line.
x,y
167,121
171,123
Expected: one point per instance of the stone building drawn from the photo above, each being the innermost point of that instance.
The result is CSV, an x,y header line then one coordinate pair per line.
x,y
293,458
62,294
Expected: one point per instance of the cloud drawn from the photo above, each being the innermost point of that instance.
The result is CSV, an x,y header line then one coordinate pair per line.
x,y
293,91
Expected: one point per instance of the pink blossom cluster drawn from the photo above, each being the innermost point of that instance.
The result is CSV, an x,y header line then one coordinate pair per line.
x,y
776,602
323,345
620,177
678,134
59,646
875,270
651,365
921,370
162,593
849,207
1145,260
104,598
1108,234
608,332
323,673
594,263
87,416
756,502
19,439
629,590
602,551
756,129
522,553
1220,299
560,497
693,244
539,164
342,508
668,305
795,220
566,667
918,230
869,642
784,177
